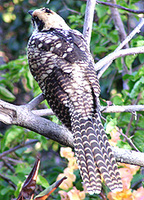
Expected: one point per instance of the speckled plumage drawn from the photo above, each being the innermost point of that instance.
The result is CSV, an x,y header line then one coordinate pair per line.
x,y
61,63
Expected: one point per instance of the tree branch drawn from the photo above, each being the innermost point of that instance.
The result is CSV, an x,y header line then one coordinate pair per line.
x,y
120,7
124,42
103,64
88,21
116,54
17,147
24,117
104,109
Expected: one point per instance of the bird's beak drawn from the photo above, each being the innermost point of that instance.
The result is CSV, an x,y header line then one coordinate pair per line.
x,y
30,12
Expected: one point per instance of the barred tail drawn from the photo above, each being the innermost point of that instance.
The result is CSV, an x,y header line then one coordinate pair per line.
x,y
94,155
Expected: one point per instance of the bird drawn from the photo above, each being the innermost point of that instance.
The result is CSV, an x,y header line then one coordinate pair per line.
x,y
61,63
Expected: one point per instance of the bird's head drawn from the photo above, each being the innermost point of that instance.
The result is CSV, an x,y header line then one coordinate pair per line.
x,y
44,19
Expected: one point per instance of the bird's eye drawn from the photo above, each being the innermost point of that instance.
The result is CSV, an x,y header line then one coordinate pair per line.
x,y
35,18
47,10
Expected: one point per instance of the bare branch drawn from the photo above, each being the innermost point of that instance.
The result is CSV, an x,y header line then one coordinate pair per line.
x,y
124,155
8,181
43,112
131,35
22,116
126,40
119,109
89,13
36,101
121,7
112,56
17,147
104,109
129,141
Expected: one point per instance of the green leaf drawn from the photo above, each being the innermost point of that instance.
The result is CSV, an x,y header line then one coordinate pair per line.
x,y
99,49
137,178
117,100
129,60
101,10
13,134
5,190
5,94
137,87
13,178
82,9
42,181
111,125
141,58
23,168
141,122
140,43
30,80
119,64
123,145
138,140
113,36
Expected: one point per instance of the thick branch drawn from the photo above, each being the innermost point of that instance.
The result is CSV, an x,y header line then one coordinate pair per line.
x,y
22,116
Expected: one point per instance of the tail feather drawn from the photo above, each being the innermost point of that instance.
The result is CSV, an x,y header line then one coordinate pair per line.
x,y
88,171
94,174
94,154
116,175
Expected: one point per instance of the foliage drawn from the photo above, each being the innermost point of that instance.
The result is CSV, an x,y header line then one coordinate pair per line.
x,y
18,86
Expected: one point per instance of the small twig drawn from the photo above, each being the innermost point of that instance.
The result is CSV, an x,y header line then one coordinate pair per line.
x,y
17,147
121,7
12,160
131,35
129,141
8,180
67,8
8,165
129,125
133,114
103,196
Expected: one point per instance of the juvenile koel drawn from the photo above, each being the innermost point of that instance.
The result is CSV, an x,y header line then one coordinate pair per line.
x,y
60,61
